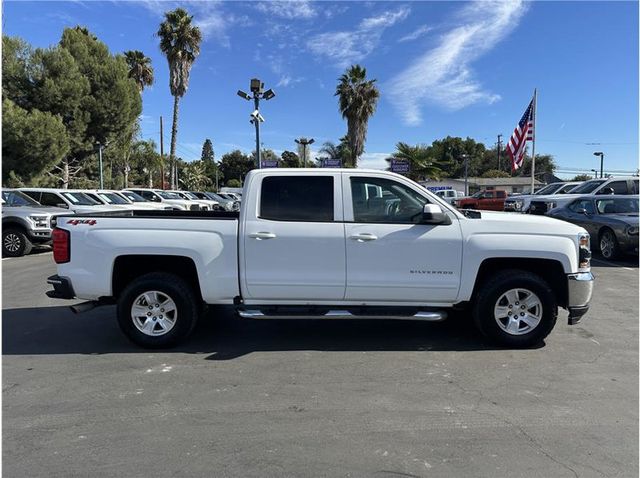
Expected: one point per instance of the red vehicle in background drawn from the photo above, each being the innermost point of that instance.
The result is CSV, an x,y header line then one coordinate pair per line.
x,y
487,200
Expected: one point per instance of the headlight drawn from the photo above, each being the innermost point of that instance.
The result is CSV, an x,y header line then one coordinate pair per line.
x,y
632,230
517,204
584,251
40,221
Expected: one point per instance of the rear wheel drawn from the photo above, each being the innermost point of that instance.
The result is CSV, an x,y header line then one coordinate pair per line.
x,y
608,244
158,310
515,309
15,243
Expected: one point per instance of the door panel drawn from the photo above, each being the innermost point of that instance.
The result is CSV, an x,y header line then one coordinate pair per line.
x,y
294,246
390,257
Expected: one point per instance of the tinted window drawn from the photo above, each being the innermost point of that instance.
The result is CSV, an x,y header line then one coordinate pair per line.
x,y
587,187
619,187
16,198
635,186
33,195
617,206
500,194
297,198
50,199
385,201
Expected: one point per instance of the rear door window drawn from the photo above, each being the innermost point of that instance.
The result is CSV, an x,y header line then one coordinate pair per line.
x,y
297,198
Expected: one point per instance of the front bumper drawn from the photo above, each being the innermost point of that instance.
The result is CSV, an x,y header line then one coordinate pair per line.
x,y
580,289
40,236
62,288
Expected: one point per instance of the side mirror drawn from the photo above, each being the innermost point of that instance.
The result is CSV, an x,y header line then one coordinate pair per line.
x,y
62,205
584,211
433,214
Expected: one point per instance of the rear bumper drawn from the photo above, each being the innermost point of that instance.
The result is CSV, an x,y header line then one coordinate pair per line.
x,y
62,288
580,289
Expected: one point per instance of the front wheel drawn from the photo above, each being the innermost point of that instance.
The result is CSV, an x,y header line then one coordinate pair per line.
x,y
608,244
15,243
158,310
515,309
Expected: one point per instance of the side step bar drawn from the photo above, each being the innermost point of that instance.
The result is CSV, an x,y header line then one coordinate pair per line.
x,y
427,316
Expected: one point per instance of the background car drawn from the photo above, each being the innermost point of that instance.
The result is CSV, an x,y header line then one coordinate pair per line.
x,y
522,202
612,221
449,195
488,200
171,199
614,185
226,204
70,199
25,223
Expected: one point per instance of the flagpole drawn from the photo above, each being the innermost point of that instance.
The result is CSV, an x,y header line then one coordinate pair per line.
x,y
533,139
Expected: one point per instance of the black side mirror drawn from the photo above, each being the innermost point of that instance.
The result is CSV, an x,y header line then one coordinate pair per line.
x,y
433,214
584,211
62,205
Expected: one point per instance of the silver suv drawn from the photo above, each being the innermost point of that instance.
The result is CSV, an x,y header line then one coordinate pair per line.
x,y
25,222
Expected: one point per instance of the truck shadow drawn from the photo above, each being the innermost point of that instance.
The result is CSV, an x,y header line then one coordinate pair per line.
x,y
221,335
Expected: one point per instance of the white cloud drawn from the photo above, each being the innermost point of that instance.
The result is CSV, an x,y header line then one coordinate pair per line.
x,y
442,75
347,47
373,161
287,80
414,35
384,20
288,9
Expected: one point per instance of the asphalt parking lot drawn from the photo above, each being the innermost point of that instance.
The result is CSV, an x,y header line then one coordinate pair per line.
x,y
305,398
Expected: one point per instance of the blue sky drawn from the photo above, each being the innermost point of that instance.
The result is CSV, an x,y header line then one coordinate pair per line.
x,y
443,68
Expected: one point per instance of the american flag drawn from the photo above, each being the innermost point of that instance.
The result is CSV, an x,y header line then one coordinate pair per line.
x,y
520,136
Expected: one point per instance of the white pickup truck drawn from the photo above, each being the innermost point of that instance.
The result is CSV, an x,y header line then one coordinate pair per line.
x,y
328,243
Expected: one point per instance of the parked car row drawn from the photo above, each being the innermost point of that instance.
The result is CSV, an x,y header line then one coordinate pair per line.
x,y
27,213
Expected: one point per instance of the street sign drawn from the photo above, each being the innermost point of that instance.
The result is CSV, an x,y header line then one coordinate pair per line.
x,y
331,163
400,166
270,163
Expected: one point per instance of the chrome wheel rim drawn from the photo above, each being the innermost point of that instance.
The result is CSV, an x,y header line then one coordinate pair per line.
x,y
154,313
518,311
606,244
12,242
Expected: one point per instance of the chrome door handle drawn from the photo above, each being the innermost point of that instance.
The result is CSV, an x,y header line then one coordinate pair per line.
x,y
364,237
262,235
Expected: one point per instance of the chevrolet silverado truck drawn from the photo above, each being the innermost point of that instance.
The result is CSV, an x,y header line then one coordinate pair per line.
x,y
488,200
335,243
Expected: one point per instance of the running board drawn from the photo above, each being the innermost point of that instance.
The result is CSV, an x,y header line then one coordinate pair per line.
x,y
427,316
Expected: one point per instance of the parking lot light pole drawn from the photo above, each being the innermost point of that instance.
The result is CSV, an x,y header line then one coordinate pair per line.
x,y
601,154
595,173
257,87
466,173
100,147
305,142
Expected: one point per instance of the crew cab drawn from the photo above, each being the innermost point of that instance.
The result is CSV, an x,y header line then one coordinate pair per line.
x,y
488,200
326,244
521,202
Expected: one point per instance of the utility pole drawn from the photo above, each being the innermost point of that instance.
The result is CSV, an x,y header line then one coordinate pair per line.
x,y
161,156
100,148
499,145
466,174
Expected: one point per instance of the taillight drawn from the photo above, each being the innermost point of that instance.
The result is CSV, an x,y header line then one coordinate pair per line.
x,y
61,246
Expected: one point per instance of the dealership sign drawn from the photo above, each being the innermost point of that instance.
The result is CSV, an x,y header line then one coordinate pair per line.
x,y
400,166
331,163
270,163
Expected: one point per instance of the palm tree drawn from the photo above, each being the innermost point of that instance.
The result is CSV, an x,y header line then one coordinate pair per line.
x,y
180,42
195,177
140,68
421,164
357,99
331,150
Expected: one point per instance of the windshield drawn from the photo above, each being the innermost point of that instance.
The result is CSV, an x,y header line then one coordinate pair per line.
x,y
16,198
587,187
189,195
567,188
112,198
478,194
135,197
617,206
215,197
79,199
548,189
166,195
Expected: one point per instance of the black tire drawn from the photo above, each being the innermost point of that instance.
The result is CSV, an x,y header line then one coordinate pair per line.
x,y
612,249
187,307
15,243
487,299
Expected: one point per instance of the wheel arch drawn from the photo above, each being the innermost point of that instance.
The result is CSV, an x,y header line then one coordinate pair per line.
x,y
127,268
16,222
550,270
